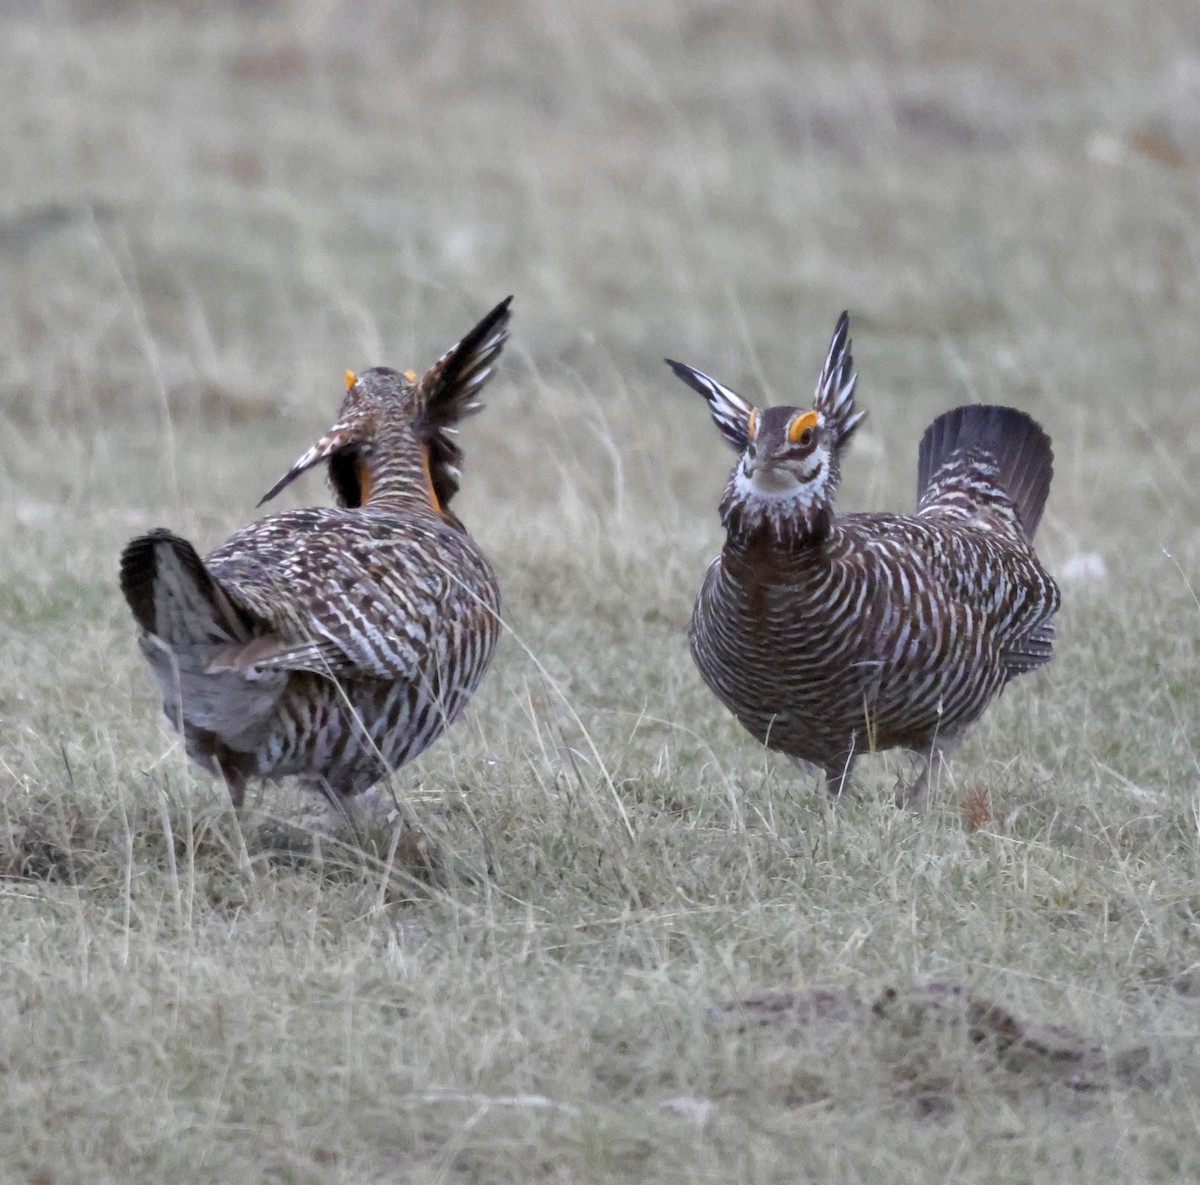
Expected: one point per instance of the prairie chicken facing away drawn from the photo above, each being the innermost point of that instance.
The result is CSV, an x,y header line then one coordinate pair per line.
x,y
830,635
333,643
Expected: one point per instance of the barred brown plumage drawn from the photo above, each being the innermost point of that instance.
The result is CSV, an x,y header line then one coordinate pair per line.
x,y
830,635
333,643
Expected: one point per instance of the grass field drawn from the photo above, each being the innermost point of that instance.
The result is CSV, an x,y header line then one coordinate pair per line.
x,y
212,208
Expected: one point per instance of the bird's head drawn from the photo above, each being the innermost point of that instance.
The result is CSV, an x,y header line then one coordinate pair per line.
x,y
395,430
789,457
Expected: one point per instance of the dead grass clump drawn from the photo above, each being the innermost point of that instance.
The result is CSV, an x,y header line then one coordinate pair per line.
x,y
925,1036
32,851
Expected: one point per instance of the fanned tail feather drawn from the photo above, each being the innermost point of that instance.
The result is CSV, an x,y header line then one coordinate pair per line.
x,y
187,619
174,596
1014,441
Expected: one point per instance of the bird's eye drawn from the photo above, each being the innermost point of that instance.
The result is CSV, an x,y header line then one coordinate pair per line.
x,y
802,431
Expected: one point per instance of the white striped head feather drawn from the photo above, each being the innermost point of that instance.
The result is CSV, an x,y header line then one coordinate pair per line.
x,y
789,469
834,398
785,478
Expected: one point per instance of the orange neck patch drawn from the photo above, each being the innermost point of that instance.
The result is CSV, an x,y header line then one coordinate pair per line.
x,y
362,471
366,480
433,498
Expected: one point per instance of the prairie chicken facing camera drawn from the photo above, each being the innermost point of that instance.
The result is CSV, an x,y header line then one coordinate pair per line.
x,y
832,635
333,643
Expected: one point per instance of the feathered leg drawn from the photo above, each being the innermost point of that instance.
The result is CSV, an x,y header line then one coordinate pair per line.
x,y
837,775
917,795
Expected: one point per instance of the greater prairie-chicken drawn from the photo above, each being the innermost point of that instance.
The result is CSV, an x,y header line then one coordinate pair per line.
x,y
831,635
333,643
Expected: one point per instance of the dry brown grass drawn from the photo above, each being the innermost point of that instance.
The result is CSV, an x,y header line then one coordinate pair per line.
x,y
212,208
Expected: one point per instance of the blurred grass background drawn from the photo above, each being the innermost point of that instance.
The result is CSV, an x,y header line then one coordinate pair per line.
x,y
211,208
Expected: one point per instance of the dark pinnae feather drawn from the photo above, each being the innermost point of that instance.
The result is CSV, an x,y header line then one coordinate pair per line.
x,y
729,410
450,388
1017,442
456,378
835,388
839,364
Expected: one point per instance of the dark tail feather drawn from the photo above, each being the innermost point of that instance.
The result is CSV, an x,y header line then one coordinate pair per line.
x,y
187,619
1018,444
173,595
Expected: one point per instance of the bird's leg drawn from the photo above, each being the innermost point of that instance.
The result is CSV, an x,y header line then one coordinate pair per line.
x,y
341,809
837,775
375,806
235,780
916,795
